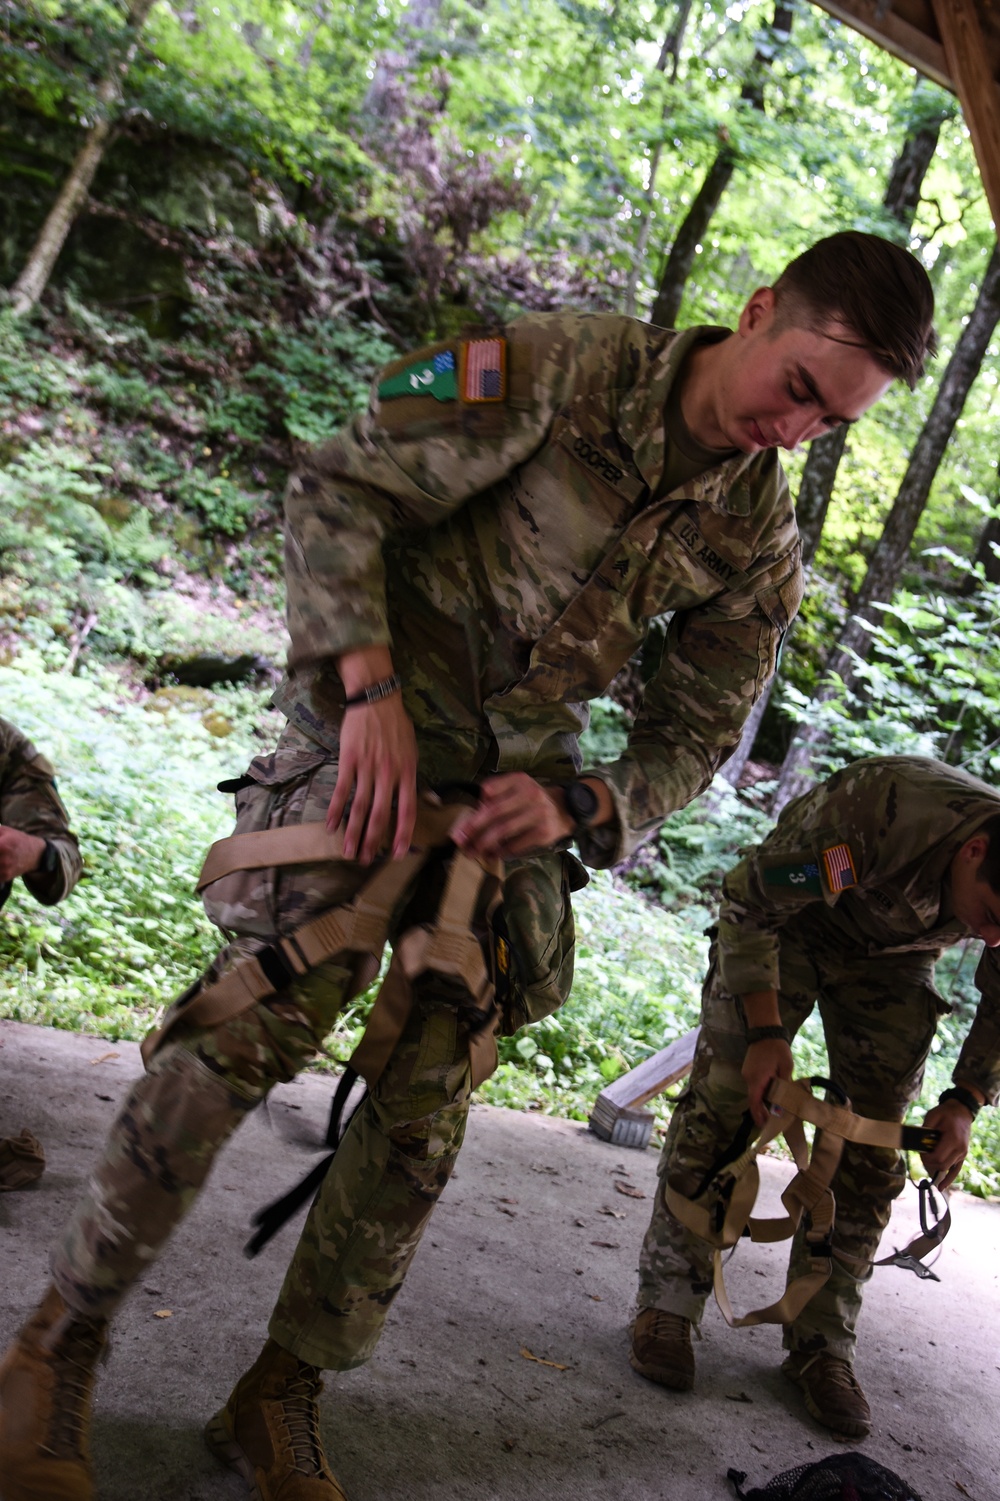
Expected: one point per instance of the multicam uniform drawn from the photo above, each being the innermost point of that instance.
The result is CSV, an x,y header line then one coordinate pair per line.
x,y
30,803
501,517
845,905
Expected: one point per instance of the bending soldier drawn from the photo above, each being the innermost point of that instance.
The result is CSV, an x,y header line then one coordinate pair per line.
x,y
36,844
468,564
847,904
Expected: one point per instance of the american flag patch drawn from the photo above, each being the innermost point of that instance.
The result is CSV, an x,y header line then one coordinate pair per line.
x,y
839,868
484,370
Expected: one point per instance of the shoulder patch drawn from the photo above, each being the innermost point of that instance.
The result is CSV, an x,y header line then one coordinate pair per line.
x,y
430,375
838,867
798,874
483,370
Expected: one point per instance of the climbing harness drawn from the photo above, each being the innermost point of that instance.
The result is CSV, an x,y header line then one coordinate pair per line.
x,y
443,943
720,1210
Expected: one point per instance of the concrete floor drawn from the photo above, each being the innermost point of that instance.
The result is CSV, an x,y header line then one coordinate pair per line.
x,y
532,1249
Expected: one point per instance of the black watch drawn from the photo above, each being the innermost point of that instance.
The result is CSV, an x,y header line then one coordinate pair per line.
x,y
50,859
582,804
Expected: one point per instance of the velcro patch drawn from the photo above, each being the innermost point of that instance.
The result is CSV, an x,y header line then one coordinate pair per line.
x,y
484,370
796,875
838,866
424,377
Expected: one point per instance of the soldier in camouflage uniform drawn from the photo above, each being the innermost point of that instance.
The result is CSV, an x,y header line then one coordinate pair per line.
x,y
36,844
846,904
468,563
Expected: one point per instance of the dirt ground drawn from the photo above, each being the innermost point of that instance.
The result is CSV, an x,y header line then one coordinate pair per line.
x,y
503,1374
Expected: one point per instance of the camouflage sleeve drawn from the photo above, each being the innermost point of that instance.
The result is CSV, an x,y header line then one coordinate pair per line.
x,y
833,838
979,1061
716,661
408,463
29,802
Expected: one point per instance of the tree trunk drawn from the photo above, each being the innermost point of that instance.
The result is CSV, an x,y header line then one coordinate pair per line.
x,y
699,216
671,49
672,41
35,277
892,550
689,236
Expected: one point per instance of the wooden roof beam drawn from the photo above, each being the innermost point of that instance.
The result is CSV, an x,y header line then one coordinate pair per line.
x,y
967,56
893,33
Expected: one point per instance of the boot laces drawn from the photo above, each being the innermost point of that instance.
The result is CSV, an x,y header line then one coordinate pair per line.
x,y
300,1416
839,1373
78,1354
669,1326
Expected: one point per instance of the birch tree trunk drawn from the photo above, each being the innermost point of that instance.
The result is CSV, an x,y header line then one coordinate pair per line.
x,y
893,548
33,280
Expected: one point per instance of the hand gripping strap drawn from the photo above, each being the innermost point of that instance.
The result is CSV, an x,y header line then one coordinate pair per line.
x,y
732,1191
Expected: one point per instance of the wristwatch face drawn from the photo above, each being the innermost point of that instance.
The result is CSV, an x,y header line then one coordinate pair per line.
x,y
582,802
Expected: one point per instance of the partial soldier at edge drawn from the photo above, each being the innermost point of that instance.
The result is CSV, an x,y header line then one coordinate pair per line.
x,y
37,845
469,563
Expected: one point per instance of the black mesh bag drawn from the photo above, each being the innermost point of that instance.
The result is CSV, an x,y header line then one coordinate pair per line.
x,y
839,1477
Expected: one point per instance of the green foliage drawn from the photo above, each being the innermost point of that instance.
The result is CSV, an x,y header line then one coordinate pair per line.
x,y
132,934
317,375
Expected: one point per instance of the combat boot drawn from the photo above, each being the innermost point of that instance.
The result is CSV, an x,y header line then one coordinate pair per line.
x,y
832,1392
46,1380
268,1431
661,1349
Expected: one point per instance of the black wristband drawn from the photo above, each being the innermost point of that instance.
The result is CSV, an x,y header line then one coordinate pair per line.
x,y
765,1034
963,1096
384,688
50,859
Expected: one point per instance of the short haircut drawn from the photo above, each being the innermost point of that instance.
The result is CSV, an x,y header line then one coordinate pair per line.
x,y
878,289
988,869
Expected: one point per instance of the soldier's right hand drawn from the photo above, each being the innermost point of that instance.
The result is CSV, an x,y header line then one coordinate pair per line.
x,y
764,1062
377,765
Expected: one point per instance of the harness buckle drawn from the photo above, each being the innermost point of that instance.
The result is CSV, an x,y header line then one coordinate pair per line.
x,y
911,1263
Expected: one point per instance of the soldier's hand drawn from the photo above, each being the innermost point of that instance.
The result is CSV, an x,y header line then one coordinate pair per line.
x,y
378,763
954,1122
515,815
19,853
764,1062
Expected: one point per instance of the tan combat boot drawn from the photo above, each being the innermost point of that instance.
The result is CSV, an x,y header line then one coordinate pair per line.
x,y
46,1379
268,1431
661,1349
832,1392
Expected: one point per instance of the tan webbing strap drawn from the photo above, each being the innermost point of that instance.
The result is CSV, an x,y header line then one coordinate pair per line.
x,y
359,928
310,844
836,1118
386,1020
808,1194
447,946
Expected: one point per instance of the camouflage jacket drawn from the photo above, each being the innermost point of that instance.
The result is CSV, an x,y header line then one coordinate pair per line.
x,y
513,550
867,853
29,802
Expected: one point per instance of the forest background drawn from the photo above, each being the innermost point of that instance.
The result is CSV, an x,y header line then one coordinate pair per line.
x,y
219,220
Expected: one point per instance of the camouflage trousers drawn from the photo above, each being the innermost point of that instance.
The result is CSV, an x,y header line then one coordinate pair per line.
x,y
879,1016
399,1150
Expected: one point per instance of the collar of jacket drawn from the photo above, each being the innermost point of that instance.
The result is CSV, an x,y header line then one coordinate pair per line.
x,y
642,423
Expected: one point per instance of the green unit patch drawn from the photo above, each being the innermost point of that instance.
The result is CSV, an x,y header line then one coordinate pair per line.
x,y
799,875
435,377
